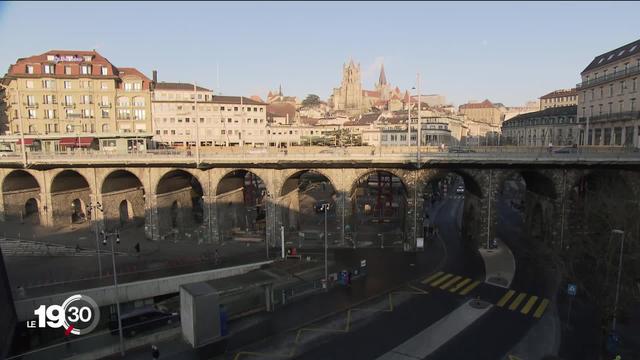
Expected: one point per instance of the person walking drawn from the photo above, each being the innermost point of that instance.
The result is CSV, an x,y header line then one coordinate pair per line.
x,y
155,353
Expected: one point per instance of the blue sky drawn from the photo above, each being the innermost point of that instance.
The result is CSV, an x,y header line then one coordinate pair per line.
x,y
507,52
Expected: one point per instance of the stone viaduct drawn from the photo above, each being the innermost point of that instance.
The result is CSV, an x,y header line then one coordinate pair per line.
x,y
168,194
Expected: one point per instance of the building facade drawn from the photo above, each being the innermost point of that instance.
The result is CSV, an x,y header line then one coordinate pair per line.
x,y
184,115
75,94
558,126
608,97
559,98
483,112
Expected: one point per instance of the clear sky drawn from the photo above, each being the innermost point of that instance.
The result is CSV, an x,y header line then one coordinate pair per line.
x,y
507,52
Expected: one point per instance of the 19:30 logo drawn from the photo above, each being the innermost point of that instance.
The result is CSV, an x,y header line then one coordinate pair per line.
x,y
78,315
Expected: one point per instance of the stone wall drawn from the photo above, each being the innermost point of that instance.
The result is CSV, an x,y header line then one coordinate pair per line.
x,y
111,207
14,204
61,204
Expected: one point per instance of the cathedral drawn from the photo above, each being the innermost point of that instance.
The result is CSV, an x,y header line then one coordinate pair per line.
x,y
351,99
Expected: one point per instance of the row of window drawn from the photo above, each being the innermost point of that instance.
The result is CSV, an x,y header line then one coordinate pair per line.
x,y
610,107
172,120
82,84
623,85
122,114
561,99
623,70
174,107
51,69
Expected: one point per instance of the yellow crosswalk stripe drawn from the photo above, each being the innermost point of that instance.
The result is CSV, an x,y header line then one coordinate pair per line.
x,y
432,277
450,282
460,285
505,298
527,307
514,305
541,308
468,289
441,280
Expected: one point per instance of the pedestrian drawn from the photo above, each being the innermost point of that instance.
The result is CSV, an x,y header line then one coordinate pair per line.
x,y
155,353
137,247
550,147
77,248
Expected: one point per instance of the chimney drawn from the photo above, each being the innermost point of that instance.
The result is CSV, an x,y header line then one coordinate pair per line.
x,y
155,76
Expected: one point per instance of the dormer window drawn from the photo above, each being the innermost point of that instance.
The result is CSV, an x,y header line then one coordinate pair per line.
x,y
87,57
104,70
50,57
85,69
49,69
67,70
29,69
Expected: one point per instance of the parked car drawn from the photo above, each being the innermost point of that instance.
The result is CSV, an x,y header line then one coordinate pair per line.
x,y
460,189
566,150
141,320
460,150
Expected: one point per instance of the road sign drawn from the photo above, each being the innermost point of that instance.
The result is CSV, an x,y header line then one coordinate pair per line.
x,y
572,289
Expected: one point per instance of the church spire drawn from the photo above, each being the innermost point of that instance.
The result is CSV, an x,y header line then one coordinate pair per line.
x,y
383,78
280,90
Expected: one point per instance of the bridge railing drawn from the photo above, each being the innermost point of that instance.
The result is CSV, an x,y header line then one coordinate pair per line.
x,y
403,154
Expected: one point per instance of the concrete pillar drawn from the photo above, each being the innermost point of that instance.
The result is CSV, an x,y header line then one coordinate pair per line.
x,y
151,227
210,220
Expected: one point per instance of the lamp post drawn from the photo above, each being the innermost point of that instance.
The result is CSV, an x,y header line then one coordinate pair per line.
x,y
325,208
615,304
94,217
22,144
106,236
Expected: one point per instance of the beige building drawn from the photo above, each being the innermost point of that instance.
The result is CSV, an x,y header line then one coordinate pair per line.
x,y
184,114
483,112
608,97
555,125
56,97
559,98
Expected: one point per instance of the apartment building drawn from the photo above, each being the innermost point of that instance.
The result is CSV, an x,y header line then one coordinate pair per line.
x,y
483,112
608,98
559,98
184,114
62,95
554,125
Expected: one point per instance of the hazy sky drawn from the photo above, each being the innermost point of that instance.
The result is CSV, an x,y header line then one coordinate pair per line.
x,y
507,52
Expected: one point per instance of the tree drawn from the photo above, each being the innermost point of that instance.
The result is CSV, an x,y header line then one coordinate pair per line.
x,y
311,100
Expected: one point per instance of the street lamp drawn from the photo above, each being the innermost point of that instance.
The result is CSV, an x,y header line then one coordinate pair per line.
x,y
325,207
94,217
615,304
106,236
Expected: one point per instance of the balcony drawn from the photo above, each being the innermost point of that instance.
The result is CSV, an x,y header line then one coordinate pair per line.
x,y
633,70
103,105
625,115
69,105
31,105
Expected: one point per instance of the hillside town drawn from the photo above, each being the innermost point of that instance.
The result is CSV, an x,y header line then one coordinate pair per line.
x,y
64,100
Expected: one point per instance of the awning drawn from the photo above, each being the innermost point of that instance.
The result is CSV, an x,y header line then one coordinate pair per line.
x,y
27,142
76,142
84,141
67,142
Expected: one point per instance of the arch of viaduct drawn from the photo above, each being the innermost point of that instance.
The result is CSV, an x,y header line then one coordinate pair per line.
x,y
152,195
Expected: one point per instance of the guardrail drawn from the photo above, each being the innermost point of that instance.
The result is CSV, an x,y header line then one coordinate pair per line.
x,y
490,153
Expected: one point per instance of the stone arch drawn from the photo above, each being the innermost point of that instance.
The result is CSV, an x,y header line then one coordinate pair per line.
x,y
379,205
66,187
240,202
32,212
125,211
472,184
183,189
18,186
301,195
118,186
201,176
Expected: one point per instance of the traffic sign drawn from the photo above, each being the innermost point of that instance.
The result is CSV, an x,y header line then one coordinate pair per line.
x,y
572,289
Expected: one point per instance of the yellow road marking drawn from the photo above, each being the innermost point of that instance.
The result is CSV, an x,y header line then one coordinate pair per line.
x,y
527,307
505,298
441,280
432,277
450,282
541,308
514,305
468,289
460,285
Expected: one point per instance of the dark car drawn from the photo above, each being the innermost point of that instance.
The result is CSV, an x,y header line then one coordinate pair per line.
x,y
460,150
566,150
141,320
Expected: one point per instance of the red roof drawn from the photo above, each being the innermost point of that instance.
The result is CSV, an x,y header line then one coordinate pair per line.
x,y
70,58
559,93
